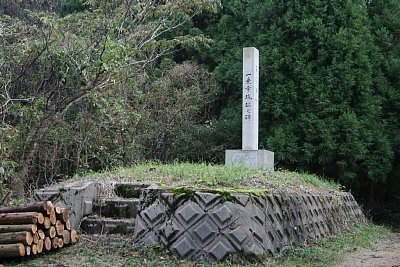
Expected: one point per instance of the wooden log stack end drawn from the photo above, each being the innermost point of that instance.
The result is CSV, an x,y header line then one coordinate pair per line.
x,y
74,236
20,218
41,206
67,237
35,238
60,242
47,222
40,246
34,249
60,228
53,218
40,218
12,250
25,238
62,214
32,228
28,250
51,232
47,243
41,234
54,242
68,225
49,207
18,228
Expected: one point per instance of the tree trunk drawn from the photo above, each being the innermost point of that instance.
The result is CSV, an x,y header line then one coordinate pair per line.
x,y
66,237
42,206
40,246
12,250
28,250
59,228
47,243
18,228
62,214
60,242
36,238
74,236
34,249
20,218
47,222
41,234
25,238
51,232
68,225
52,217
54,242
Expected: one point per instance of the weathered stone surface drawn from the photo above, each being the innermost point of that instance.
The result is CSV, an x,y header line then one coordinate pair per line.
x,y
256,159
77,196
250,98
205,227
116,207
101,225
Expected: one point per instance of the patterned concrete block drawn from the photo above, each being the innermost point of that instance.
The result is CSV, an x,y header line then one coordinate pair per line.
x,y
219,248
78,197
204,226
184,247
189,213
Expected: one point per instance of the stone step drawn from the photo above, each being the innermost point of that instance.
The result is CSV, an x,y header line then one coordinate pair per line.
x,y
100,225
116,207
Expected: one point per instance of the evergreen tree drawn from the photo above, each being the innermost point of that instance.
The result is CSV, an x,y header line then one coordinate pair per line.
x,y
385,21
324,111
322,96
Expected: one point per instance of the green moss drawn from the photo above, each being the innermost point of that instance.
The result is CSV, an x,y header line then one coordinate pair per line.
x,y
226,194
177,191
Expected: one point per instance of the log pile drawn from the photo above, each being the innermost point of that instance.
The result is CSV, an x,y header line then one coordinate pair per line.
x,y
34,228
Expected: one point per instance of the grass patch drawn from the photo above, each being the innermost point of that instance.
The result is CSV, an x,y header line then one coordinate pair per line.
x,y
328,251
120,251
209,176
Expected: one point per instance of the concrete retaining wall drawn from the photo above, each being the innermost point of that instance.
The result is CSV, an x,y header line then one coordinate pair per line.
x,y
211,226
203,225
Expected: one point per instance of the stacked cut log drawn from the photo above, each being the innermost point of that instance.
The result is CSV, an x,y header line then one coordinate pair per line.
x,y
34,228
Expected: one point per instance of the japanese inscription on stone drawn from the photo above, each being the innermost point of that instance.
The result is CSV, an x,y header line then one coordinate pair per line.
x,y
250,99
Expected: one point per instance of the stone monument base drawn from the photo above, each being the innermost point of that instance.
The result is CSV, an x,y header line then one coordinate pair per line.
x,y
257,159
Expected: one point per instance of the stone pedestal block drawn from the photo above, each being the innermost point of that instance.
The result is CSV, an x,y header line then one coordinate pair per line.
x,y
250,158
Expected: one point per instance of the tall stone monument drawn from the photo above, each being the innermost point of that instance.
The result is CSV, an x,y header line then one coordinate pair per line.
x,y
249,155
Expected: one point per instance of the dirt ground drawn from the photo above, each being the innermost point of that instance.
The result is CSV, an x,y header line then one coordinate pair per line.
x,y
385,253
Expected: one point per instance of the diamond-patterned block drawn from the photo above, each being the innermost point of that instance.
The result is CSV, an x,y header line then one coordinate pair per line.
x,y
204,230
169,231
207,200
140,229
184,247
221,215
189,214
241,199
219,249
258,215
237,236
253,249
149,239
154,214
